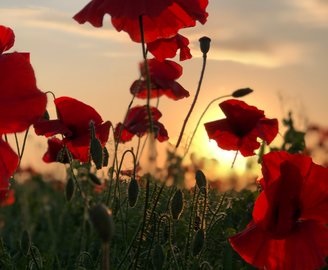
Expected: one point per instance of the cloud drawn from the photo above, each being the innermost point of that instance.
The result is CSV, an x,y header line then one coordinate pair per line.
x,y
53,20
311,12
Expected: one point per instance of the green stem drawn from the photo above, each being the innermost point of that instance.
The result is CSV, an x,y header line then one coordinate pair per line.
x,y
144,54
117,142
17,144
143,224
105,256
189,226
34,259
194,101
200,119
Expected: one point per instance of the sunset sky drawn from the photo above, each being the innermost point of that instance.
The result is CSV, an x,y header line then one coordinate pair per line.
x,y
276,47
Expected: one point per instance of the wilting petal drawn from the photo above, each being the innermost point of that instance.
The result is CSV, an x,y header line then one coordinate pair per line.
x,y
7,38
8,164
19,94
167,48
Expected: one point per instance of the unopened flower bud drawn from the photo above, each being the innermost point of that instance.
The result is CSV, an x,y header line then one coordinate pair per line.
x,y
177,204
204,44
242,92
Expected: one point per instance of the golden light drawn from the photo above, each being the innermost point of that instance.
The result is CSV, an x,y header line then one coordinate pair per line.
x,y
227,159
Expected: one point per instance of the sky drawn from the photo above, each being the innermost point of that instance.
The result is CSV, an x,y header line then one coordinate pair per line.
x,y
276,47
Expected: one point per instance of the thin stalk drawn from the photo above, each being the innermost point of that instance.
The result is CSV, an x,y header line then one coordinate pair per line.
x,y
116,143
217,210
190,225
194,101
144,54
200,119
144,219
24,144
34,259
105,256
17,144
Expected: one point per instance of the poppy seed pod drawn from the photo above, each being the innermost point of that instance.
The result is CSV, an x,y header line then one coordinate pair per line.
x,y
102,219
204,44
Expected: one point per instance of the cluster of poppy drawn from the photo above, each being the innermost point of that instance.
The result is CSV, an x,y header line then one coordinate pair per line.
x,y
290,216
157,24
74,128
20,96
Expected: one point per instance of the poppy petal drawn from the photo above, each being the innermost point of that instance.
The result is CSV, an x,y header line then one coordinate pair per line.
x,y
167,48
76,115
50,128
19,94
7,38
8,164
155,27
306,248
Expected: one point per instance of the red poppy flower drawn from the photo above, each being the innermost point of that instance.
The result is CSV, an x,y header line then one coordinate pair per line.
x,y
162,19
137,123
162,78
19,94
73,122
8,164
168,47
289,228
243,125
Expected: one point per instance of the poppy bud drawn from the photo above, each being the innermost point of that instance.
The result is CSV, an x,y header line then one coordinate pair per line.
x,y
96,151
133,192
158,257
198,242
204,44
69,189
177,204
102,219
242,92
201,181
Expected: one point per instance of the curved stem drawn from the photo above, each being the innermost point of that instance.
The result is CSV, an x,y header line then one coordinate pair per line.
x,y
200,119
194,101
